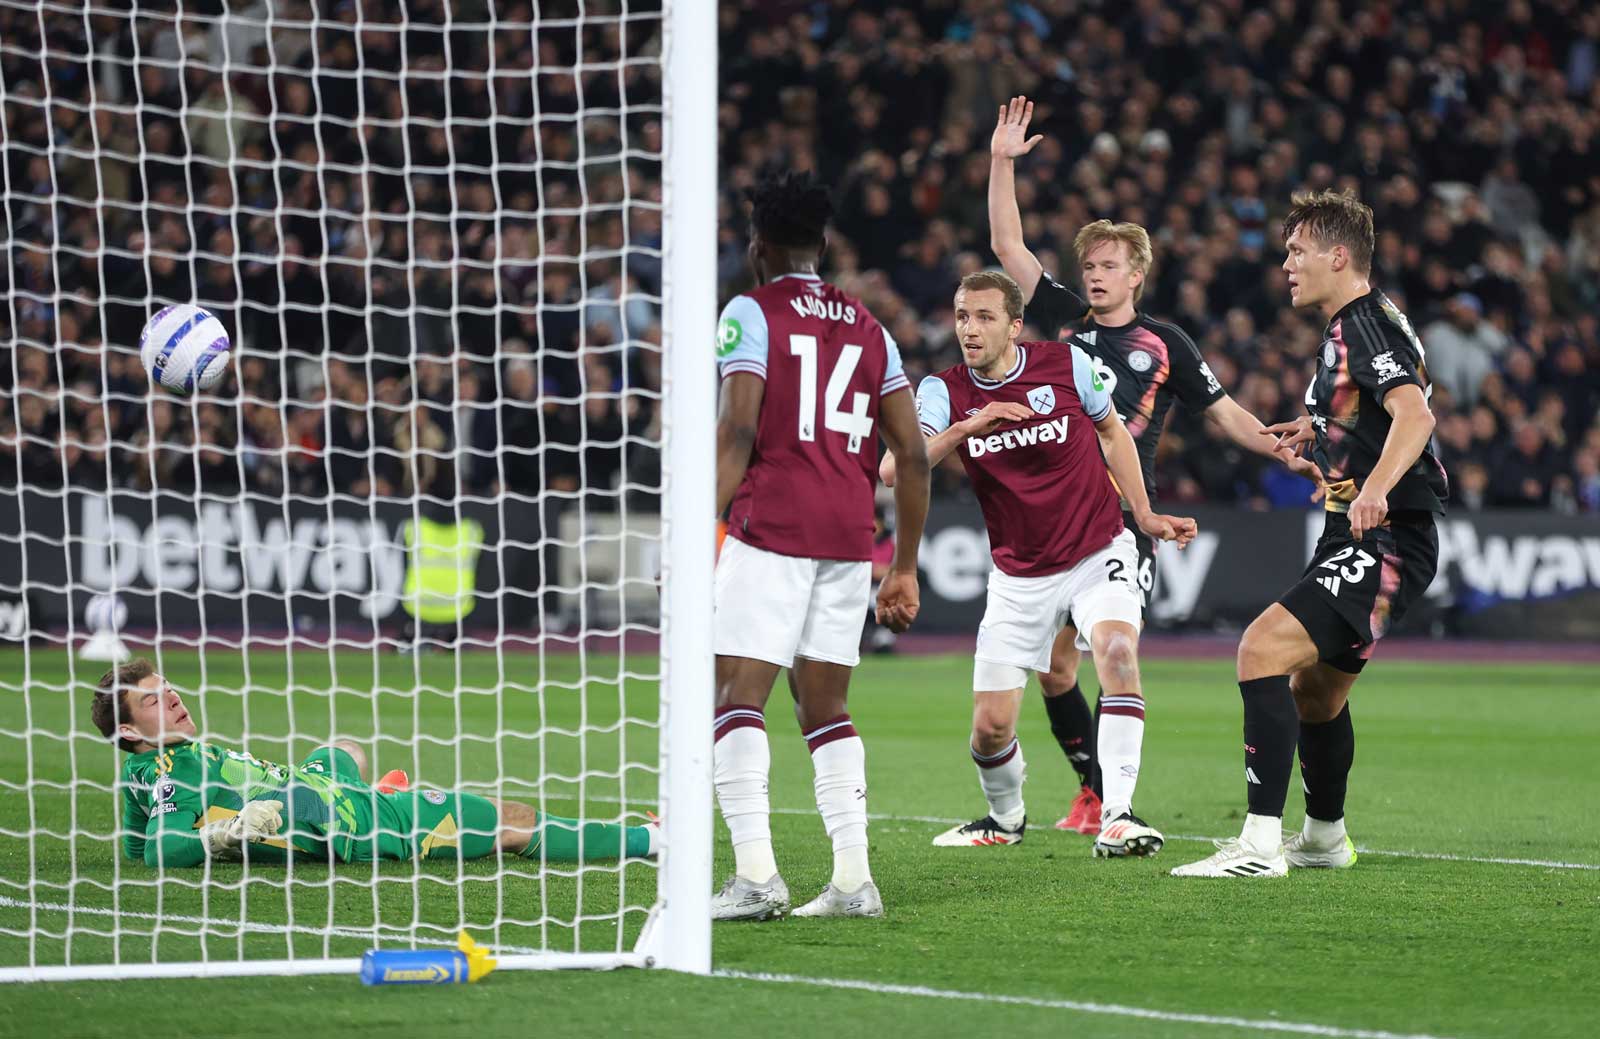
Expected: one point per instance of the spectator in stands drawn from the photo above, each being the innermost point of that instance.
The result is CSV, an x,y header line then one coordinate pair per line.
x,y
318,237
1462,348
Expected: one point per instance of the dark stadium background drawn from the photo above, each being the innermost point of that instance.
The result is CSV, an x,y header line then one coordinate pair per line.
x,y
1472,129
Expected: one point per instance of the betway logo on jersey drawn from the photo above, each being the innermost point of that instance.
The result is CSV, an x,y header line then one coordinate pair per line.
x,y
823,309
1054,431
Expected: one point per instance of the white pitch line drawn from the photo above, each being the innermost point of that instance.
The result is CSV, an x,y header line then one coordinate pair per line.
x,y
1108,1009
381,931
880,988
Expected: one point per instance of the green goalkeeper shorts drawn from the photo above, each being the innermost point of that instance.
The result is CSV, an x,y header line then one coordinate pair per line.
x,y
436,824
425,823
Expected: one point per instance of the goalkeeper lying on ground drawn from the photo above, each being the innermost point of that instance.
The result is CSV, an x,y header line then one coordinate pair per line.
x,y
185,800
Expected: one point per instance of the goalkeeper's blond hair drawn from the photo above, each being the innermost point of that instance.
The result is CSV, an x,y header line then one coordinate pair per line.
x,y
1136,238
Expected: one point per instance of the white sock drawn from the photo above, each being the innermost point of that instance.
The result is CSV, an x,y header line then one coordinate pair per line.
x,y
741,761
1001,776
1120,740
1324,834
1262,833
840,760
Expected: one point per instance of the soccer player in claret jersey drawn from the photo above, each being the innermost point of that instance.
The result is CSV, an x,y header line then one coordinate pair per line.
x,y
810,379
187,800
1145,364
1031,422
1370,429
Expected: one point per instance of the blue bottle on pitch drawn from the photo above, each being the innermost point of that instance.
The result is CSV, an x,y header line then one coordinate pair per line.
x,y
466,963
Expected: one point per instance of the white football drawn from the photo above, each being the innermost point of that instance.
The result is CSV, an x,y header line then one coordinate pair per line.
x,y
184,348
105,613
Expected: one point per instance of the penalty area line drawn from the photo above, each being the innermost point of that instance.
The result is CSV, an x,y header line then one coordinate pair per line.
x,y
1106,1009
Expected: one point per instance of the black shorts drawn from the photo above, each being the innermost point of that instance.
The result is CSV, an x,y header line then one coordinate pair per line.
x,y
1353,591
1147,564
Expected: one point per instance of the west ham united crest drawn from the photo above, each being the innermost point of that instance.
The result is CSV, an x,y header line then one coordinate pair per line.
x,y
1043,399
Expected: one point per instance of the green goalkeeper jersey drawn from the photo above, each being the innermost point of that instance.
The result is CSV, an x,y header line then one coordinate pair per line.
x,y
328,814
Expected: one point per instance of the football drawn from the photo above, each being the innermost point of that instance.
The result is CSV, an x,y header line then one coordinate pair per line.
x,y
184,348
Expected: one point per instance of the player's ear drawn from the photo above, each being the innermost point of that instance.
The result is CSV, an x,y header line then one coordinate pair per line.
x,y
1341,258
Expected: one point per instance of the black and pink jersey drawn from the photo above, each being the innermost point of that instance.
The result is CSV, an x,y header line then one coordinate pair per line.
x,y
1145,364
1368,349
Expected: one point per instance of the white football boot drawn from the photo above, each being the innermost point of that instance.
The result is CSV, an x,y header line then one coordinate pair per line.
x,y
1234,858
863,901
742,899
1125,835
982,833
1302,852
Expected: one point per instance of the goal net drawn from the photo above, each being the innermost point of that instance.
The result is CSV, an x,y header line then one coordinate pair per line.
x,y
448,506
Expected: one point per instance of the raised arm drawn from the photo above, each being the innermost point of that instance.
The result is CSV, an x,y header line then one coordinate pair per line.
x,y
1005,219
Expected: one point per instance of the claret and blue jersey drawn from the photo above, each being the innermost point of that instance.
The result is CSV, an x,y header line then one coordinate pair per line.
x,y
1046,496
827,363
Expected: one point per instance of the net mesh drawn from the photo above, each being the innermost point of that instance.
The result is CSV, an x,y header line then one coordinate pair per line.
x,y
433,232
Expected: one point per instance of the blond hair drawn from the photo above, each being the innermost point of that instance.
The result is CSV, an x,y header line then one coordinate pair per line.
x,y
1137,239
980,281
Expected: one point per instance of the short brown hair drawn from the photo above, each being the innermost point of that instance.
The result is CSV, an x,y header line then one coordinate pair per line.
x,y
110,706
981,281
1333,218
1136,238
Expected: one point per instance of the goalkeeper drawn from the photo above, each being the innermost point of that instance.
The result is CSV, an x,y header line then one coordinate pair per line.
x,y
186,801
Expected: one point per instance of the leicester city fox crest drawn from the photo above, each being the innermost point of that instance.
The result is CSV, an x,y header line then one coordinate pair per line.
x,y
1043,399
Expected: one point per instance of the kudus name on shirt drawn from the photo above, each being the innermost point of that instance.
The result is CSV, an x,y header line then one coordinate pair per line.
x,y
823,309
1044,433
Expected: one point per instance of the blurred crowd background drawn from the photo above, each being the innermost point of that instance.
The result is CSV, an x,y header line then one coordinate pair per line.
x,y
438,243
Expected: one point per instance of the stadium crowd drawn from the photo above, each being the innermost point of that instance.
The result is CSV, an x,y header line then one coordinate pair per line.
x,y
452,260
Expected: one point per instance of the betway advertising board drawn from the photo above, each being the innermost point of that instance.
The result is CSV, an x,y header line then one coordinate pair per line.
x,y
268,566
1502,574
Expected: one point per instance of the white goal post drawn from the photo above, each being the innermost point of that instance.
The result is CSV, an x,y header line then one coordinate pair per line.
x,y
466,254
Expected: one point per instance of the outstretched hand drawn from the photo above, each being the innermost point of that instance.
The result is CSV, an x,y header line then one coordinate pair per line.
x,y
1181,529
1011,130
1293,433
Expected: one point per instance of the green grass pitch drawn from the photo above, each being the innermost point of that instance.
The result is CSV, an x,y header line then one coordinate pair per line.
x,y
1457,766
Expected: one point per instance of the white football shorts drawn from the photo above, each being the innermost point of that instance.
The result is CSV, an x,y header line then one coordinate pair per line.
x,y
1023,614
774,607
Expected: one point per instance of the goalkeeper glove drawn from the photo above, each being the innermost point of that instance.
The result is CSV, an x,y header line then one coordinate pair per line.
x,y
256,821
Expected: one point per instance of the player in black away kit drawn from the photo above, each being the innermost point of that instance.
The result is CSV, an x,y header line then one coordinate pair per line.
x,y
1146,363
1369,428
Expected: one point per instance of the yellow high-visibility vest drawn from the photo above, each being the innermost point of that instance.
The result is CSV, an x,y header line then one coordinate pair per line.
x,y
441,569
